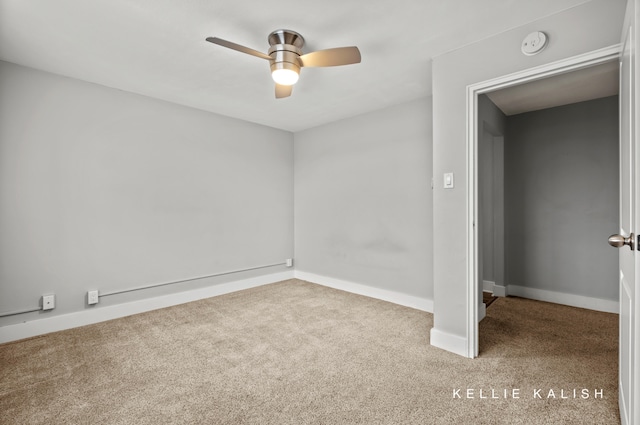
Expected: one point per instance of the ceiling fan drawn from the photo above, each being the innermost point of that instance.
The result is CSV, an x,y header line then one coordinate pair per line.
x,y
286,58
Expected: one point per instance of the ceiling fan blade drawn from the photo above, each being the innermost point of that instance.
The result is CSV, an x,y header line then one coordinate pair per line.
x,y
283,91
332,57
238,47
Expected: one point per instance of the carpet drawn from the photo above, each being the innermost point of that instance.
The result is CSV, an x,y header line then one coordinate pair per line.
x,y
299,353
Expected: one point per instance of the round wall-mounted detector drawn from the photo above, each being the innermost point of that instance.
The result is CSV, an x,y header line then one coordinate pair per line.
x,y
534,43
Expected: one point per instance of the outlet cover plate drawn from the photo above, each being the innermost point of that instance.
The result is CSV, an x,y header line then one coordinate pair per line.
x,y
48,302
92,297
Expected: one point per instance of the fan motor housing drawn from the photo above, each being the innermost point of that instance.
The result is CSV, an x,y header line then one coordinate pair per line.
x,y
285,56
285,50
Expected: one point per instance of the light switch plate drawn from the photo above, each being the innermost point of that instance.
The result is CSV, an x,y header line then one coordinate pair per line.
x,y
448,180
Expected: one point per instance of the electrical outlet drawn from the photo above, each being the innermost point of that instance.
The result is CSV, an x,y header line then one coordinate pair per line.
x,y
289,262
93,297
48,302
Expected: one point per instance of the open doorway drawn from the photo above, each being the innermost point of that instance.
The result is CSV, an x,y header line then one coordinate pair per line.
x,y
474,92
547,180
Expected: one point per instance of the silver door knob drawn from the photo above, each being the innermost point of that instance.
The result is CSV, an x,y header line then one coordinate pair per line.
x,y
619,241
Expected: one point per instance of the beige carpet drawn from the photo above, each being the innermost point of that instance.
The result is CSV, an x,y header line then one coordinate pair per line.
x,y
299,353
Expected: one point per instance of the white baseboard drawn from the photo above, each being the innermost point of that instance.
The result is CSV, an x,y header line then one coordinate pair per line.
x,y
100,314
608,306
449,342
418,303
500,291
482,311
487,286
496,290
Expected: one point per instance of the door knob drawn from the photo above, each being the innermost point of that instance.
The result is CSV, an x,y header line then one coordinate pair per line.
x,y
618,241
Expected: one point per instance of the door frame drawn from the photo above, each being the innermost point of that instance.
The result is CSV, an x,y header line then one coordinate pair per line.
x,y
573,63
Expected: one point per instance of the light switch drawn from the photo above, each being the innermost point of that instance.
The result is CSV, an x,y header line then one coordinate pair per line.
x,y
448,180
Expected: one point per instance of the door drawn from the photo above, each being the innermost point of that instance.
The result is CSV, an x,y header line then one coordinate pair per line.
x,y
627,240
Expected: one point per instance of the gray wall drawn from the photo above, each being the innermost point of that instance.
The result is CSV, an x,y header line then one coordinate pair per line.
x,y
590,26
363,208
492,125
561,198
103,189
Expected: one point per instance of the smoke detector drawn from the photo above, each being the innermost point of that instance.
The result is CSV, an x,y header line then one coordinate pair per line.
x,y
534,43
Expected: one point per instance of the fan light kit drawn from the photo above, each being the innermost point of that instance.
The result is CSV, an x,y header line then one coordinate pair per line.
x,y
285,77
286,58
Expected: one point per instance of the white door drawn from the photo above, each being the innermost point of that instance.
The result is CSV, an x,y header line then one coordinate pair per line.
x,y
629,226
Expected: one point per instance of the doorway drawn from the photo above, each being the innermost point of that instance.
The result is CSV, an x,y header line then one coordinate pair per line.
x,y
474,285
548,194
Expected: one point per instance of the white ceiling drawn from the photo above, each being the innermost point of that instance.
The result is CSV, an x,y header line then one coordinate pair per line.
x,y
577,86
157,48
